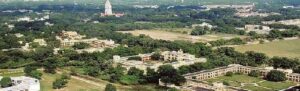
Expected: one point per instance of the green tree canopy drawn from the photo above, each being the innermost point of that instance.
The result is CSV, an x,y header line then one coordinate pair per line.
x,y
5,82
276,76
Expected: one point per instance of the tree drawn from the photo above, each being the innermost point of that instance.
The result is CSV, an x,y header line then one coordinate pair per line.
x,y
81,45
29,69
110,87
135,72
168,74
116,73
276,76
254,73
60,82
184,69
34,45
258,58
284,62
198,31
36,74
152,76
155,56
296,69
6,82
273,34
50,65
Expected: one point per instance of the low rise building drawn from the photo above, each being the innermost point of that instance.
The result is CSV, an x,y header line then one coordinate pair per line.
x,y
204,24
143,64
23,83
177,55
221,71
70,38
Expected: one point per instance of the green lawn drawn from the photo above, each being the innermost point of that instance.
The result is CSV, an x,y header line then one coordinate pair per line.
x,y
277,85
255,88
13,74
235,79
263,85
286,48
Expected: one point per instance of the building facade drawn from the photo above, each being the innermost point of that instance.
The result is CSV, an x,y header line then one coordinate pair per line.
x,y
177,55
70,38
221,71
108,8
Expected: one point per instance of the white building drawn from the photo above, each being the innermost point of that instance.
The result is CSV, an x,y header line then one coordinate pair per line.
x,y
28,19
204,24
23,83
108,8
177,55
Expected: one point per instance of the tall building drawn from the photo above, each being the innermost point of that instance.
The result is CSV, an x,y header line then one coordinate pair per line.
x,y
108,8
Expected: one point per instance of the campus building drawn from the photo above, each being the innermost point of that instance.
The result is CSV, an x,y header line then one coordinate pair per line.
x,y
23,83
70,38
177,55
221,71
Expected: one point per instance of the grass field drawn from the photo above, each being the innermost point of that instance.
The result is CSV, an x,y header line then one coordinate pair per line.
x,y
286,48
177,34
73,85
79,85
252,83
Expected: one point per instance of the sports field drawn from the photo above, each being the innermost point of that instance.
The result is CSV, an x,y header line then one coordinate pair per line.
x,y
286,48
177,34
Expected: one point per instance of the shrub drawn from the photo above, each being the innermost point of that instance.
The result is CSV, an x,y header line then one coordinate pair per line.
x,y
229,74
254,73
36,74
225,83
61,82
110,87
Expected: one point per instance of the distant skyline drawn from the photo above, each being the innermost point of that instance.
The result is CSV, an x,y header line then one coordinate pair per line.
x,y
165,2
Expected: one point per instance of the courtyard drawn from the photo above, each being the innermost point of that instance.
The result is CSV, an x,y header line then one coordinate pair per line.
x,y
251,83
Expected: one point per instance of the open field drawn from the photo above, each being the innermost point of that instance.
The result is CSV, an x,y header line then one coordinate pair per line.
x,y
80,84
174,35
73,85
252,83
286,48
